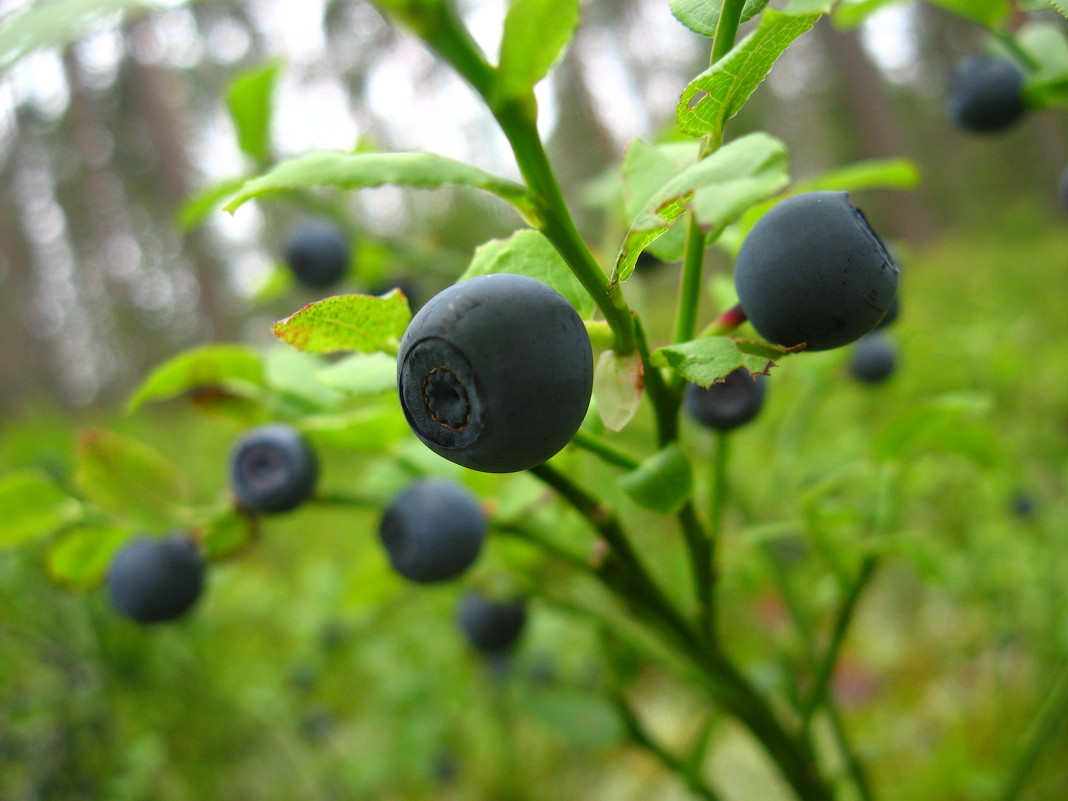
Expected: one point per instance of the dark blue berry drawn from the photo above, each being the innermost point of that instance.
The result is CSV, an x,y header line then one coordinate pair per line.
x,y
433,530
813,272
986,94
495,373
154,580
728,404
273,469
318,254
874,358
490,626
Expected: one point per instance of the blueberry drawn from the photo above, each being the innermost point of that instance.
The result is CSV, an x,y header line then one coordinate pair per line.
x,y
874,358
433,530
495,373
986,94
813,271
728,404
492,627
272,469
1023,505
153,580
318,254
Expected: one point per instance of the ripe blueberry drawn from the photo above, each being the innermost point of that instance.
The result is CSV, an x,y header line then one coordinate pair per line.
x,y
492,627
813,271
495,373
152,580
272,469
318,254
986,94
874,358
728,404
433,530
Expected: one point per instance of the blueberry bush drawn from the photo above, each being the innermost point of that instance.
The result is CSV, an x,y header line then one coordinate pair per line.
x,y
537,447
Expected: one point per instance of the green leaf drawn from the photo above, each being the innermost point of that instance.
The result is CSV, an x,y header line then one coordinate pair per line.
x,y
293,377
988,13
707,360
718,93
422,16
34,507
206,366
361,323
206,201
363,170
1048,46
129,479
662,483
536,33
702,16
528,252
947,424
617,388
1061,6
853,14
582,717
57,23
81,557
371,430
891,173
250,101
362,374
227,534
718,189
646,168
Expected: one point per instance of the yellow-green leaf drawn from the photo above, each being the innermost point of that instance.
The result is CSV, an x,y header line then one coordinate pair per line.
x,y
362,323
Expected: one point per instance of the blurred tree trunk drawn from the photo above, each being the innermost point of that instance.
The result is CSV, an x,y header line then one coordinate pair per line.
x,y
160,96
26,373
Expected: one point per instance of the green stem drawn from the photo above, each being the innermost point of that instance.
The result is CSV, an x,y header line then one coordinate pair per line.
x,y
665,400
717,498
1008,41
626,575
730,17
344,499
519,124
825,670
640,736
853,765
1053,713
526,534
696,241
690,285
607,452
699,546
517,118
725,684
